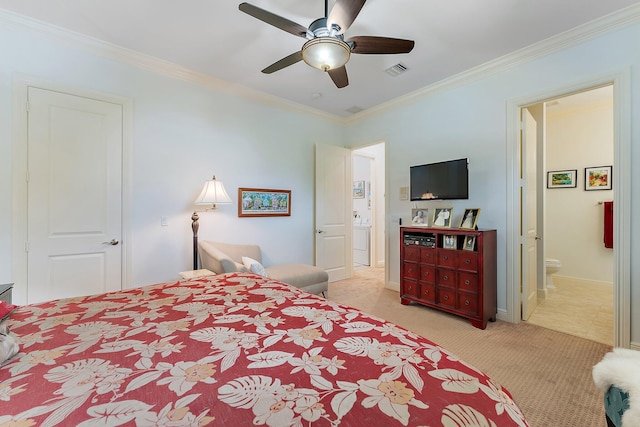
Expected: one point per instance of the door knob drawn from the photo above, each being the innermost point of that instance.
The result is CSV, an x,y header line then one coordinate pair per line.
x,y
113,242
319,231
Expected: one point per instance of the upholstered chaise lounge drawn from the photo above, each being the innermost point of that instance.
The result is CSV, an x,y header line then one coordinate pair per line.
x,y
227,258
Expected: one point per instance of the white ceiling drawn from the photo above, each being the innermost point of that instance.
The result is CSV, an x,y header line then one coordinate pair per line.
x,y
214,38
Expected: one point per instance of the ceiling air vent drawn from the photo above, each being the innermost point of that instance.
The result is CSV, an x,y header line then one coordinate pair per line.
x,y
396,70
355,109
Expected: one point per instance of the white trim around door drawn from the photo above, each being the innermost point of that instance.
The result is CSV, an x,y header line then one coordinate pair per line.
x,y
19,232
622,195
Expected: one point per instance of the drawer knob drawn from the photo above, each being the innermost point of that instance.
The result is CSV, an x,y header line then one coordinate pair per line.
x,y
446,277
467,302
426,291
445,257
468,261
466,282
446,297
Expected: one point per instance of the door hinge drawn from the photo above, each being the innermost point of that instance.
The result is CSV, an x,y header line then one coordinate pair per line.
x,y
26,247
27,106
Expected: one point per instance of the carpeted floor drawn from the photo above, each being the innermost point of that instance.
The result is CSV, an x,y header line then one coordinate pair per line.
x,y
547,372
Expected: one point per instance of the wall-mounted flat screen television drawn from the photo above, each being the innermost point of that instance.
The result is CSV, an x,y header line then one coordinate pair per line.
x,y
440,181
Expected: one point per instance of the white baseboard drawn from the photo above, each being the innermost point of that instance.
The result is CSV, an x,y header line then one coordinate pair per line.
x,y
503,315
560,278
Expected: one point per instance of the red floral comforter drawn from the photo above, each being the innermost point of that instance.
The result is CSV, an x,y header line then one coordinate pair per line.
x,y
233,350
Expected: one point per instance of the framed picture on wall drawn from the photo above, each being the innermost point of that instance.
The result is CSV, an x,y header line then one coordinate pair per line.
x,y
597,178
358,189
263,202
562,179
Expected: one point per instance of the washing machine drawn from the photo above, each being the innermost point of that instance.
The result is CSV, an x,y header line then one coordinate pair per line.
x,y
362,244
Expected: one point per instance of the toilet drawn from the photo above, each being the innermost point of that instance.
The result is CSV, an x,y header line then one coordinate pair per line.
x,y
552,267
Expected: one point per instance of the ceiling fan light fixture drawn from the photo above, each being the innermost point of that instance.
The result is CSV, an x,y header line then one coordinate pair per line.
x,y
326,53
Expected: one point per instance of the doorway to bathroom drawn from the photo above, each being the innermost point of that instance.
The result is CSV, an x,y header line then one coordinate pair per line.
x,y
368,171
575,262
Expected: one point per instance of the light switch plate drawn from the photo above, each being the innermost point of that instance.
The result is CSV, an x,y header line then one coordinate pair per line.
x,y
404,193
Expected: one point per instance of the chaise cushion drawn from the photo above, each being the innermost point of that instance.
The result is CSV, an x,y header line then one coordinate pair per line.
x,y
298,275
229,258
225,258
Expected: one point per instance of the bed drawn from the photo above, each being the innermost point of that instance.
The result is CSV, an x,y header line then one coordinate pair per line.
x,y
236,349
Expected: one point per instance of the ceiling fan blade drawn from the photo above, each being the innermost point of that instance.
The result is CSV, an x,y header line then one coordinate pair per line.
x,y
283,63
273,19
339,76
380,45
344,12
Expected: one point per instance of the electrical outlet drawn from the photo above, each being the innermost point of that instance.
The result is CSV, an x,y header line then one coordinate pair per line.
x,y
164,221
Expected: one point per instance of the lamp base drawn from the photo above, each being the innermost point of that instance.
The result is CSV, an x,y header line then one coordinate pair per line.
x,y
195,225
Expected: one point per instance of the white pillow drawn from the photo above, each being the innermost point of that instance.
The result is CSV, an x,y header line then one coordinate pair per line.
x,y
254,266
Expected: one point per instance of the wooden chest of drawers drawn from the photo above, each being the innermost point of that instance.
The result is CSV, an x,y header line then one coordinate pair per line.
x,y
459,279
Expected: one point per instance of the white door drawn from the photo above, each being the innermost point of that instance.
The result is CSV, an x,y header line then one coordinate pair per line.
x,y
530,237
74,222
333,211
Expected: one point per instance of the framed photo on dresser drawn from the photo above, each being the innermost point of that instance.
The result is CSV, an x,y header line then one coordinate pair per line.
x,y
470,218
449,241
469,243
442,217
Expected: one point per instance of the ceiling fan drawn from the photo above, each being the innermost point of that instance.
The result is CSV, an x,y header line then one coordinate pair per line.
x,y
325,47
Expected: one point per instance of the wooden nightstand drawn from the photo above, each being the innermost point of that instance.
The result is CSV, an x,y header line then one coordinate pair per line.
x,y
194,274
5,293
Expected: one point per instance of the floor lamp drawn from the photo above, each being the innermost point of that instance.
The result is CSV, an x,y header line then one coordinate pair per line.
x,y
213,193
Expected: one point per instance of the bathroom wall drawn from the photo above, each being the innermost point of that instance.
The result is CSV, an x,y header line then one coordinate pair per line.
x,y
362,172
376,152
579,136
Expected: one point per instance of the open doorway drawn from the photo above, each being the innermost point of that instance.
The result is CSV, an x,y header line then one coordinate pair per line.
x,y
575,262
368,171
621,181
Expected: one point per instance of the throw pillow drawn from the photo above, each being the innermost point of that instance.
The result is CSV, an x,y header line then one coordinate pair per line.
x,y
253,266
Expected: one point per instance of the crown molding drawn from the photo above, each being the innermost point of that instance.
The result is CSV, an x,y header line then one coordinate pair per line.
x,y
589,31
583,33
153,64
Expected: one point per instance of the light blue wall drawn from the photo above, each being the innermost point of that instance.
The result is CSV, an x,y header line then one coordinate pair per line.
x,y
183,133
470,121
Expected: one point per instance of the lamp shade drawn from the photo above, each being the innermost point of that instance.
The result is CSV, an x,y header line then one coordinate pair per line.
x,y
326,53
214,193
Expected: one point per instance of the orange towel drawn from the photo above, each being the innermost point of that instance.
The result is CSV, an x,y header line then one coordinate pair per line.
x,y
608,224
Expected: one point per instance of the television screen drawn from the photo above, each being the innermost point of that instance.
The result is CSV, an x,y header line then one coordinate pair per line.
x,y
440,181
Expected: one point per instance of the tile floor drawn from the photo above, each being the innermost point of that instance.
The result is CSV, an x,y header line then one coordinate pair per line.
x,y
579,308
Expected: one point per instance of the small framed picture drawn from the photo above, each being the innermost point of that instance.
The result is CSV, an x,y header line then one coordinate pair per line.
x,y
562,179
470,218
449,242
469,243
358,189
442,217
263,202
597,178
419,216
